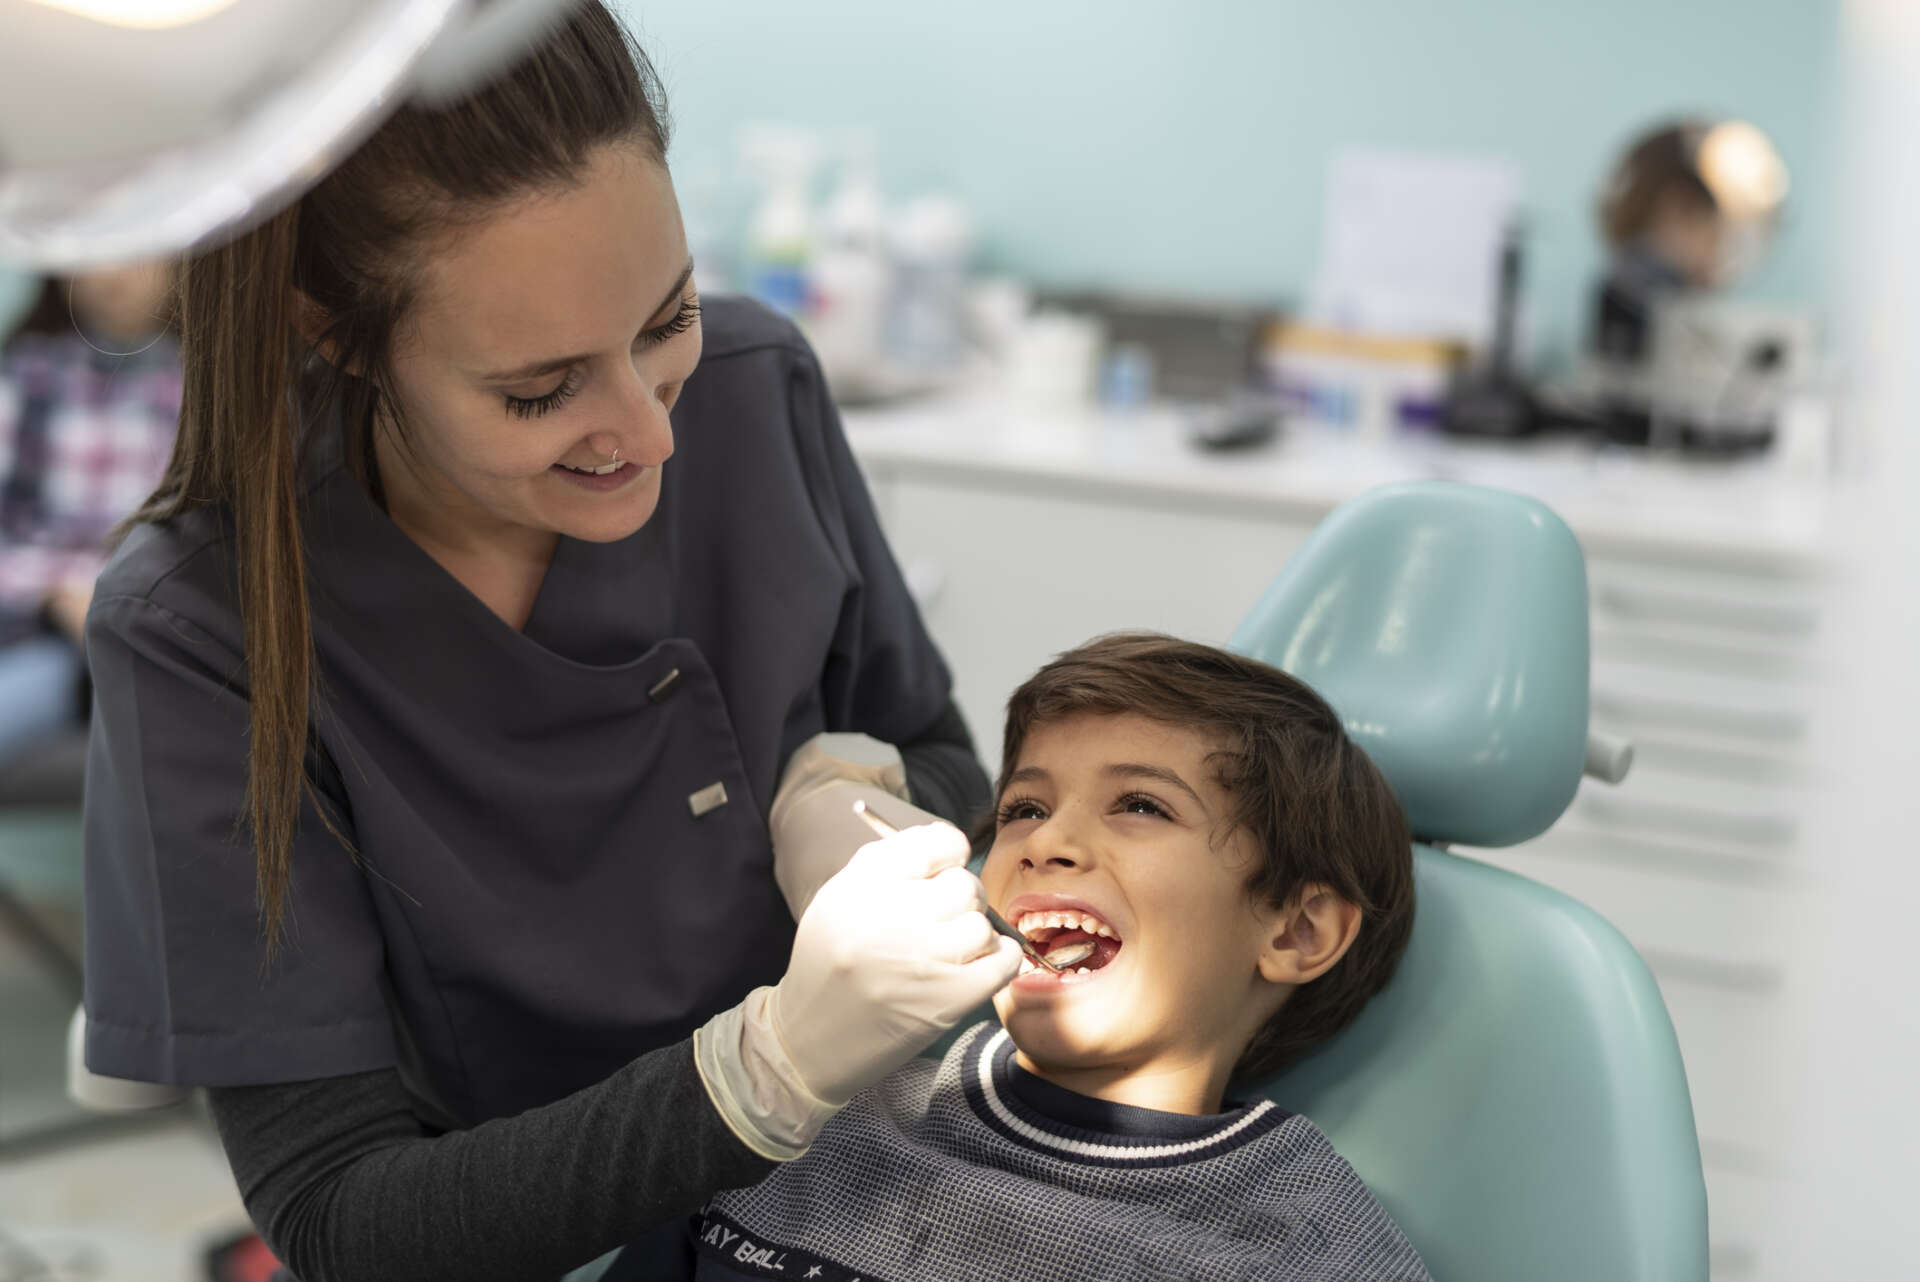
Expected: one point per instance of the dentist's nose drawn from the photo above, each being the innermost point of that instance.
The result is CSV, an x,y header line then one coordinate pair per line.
x,y
644,434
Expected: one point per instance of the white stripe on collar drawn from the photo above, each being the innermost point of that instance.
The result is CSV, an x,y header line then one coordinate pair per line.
x,y
1085,1148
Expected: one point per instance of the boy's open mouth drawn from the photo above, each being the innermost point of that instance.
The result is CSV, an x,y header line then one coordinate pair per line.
x,y
1062,934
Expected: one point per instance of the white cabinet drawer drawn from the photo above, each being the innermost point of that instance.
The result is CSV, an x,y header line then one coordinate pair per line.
x,y
1699,621
1701,650
1740,1208
1015,578
1707,930
1734,1045
1770,715
1748,812
1712,603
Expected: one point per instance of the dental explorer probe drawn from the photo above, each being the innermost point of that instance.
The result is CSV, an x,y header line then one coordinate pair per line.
x,y
994,919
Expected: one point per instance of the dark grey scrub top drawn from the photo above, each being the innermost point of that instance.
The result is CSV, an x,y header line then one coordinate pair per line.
x,y
535,896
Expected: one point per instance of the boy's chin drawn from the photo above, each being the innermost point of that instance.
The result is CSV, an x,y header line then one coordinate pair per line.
x,y
1050,1037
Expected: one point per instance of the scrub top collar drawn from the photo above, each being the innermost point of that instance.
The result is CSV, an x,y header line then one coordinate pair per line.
x,y
600,606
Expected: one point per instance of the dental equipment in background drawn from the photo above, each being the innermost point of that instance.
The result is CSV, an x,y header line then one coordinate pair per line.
x,y
1074,956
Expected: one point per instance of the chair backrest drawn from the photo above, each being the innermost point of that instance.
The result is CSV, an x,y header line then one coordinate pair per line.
x,y
1515,1096
1448,624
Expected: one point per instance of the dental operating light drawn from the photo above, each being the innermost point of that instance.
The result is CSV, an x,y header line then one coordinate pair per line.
x,y
135,129
140,13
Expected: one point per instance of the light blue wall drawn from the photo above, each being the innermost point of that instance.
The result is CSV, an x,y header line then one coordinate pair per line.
x,y
1169,145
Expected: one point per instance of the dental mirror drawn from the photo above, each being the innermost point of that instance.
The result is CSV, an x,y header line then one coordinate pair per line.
x,y
1068,957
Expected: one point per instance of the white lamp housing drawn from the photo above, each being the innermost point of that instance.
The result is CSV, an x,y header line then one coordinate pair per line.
x,y
133,129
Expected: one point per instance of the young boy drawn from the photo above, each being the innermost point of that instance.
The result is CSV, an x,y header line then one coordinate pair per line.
x,y
1243,875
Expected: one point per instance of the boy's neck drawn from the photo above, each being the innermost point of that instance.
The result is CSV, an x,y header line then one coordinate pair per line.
x,y
1194,1086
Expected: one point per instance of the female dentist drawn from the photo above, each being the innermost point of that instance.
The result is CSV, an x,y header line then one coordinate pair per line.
x,y
446,692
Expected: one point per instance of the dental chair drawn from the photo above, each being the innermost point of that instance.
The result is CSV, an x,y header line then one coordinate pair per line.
x,y
1515,1097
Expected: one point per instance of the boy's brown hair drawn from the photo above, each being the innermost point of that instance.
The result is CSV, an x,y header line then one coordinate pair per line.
x,y
1315,805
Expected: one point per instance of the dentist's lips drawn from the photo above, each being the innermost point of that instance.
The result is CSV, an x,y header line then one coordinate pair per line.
x,y
599,481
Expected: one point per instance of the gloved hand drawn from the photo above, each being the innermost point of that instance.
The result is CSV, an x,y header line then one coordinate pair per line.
x,y
892,952
812,822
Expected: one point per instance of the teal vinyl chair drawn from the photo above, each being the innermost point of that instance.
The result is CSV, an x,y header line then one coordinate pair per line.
x,y
1515,1097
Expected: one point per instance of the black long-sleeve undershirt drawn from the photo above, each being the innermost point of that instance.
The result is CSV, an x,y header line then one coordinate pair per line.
x,y
347,1184
943,774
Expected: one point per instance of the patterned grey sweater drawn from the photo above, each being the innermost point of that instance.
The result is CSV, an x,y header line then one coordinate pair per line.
x,y
972,1168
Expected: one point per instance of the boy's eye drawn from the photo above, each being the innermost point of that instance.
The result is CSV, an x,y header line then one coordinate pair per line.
x,y
1138,803
1020,808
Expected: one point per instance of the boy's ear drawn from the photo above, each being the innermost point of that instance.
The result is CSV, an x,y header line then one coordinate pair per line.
x,y
1308,936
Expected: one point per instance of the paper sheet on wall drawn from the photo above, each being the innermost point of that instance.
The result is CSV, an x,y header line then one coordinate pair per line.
x,y
1411,242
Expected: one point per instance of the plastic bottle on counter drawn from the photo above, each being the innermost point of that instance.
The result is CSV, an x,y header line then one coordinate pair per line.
x,y
932,240
780,238
852,273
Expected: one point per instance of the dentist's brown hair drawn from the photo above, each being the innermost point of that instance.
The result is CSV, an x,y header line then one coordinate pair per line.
x,y
1317,808
343,264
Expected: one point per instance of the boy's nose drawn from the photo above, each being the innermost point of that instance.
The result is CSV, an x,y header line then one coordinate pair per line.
x,y
1053,845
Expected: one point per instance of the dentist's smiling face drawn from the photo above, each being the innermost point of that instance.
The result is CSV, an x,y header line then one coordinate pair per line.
x,y
543,339
1119,818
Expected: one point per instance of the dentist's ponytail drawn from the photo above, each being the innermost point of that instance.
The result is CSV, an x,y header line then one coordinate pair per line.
x,y
341,265
236,448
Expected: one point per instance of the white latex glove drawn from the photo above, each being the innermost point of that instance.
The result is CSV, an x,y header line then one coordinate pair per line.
x,y
892,952
812,822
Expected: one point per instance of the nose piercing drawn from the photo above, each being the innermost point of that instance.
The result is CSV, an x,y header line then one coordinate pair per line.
x,y
611,465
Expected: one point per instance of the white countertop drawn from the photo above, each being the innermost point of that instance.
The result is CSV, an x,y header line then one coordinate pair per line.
x,y
1724,515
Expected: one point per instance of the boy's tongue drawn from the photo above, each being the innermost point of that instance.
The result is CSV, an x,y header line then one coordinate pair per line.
x,y
1069,942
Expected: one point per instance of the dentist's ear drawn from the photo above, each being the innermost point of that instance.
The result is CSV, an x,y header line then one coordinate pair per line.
x,y
310,322
1308,936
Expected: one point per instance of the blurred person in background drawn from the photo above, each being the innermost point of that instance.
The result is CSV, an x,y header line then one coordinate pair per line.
x,y
90,388
1688,209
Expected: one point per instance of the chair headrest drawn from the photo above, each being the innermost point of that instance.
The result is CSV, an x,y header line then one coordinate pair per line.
x,y
1447,625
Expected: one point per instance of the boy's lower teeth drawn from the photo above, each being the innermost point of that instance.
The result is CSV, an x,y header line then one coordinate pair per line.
x,y
1065,974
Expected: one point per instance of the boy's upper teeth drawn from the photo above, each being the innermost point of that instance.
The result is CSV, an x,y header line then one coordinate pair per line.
x,y
1067,920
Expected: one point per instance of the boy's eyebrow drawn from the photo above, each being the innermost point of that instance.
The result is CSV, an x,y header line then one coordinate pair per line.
x,y
1119,770
1140,770
1029,774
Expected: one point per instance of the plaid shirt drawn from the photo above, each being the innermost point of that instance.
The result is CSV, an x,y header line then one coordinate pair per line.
x,y
84,438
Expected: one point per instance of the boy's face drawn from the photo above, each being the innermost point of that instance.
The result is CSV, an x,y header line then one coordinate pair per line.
x,y
1119,817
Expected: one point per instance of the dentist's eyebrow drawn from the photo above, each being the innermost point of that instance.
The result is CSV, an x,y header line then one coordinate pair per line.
x,y
536,368
1137,770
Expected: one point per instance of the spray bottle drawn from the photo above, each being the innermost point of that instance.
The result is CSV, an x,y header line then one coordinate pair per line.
x,y
780,238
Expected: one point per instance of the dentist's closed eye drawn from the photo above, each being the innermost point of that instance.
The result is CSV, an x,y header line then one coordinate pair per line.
x,y
535,406
682,321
